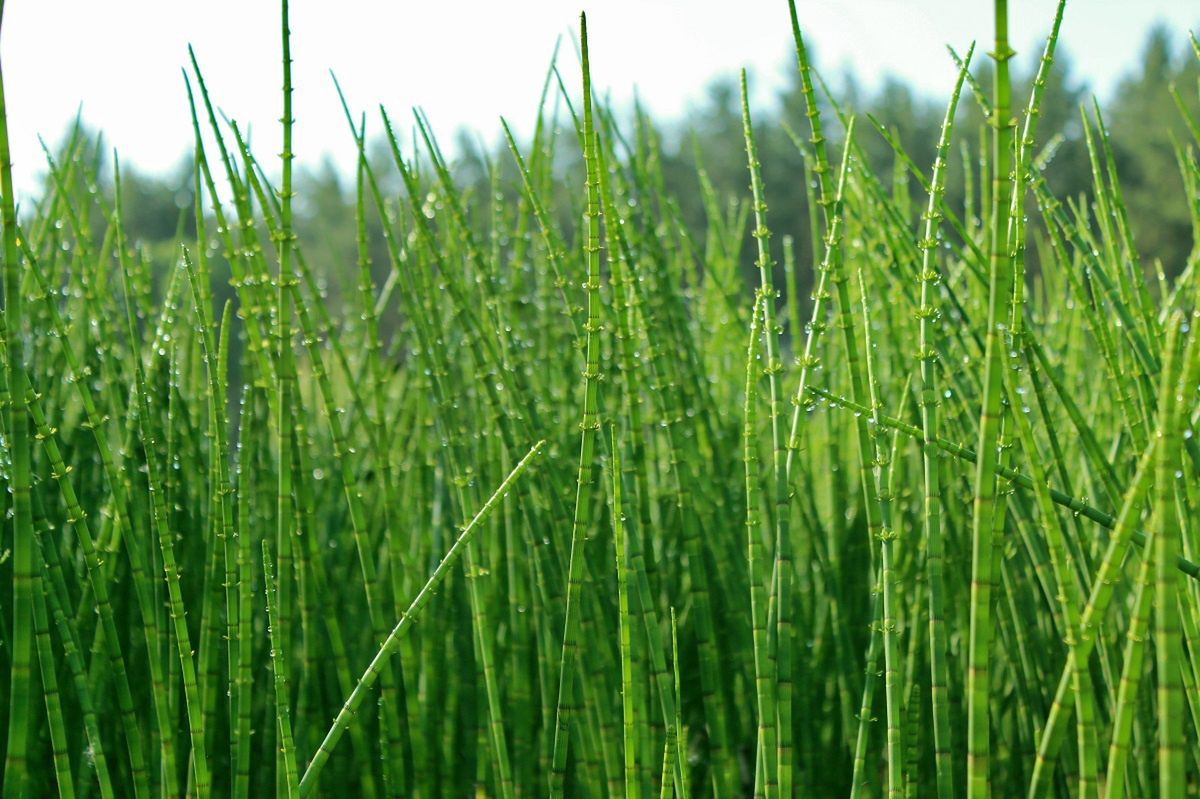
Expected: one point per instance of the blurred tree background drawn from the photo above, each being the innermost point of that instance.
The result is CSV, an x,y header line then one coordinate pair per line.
x,y
1148,118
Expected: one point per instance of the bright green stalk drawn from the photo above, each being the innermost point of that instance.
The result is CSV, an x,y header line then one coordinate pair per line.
x,y
1129,381
243,682
779,770
388,648
858,778
1172,405
151,606
588,427
669,767
764,762
213,598
632,785
930,397
50,691
1107,220
986,503
20,696
889,625
285,372
283,714
1034,109
1152,326
1131,677
912,716
1189,610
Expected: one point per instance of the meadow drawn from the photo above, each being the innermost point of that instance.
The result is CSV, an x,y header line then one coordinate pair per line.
x,y
576,501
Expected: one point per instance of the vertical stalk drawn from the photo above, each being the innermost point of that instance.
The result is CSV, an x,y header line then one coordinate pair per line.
x,y
928,316
889,625
50,691
1168,645
764,766
632,785
779,767
20,696
285,373
1131,676
986,503
283,714
588,427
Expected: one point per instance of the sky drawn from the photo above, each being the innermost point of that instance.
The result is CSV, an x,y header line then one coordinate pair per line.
x,y
469,62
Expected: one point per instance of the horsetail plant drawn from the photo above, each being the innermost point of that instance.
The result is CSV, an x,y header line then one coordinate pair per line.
x,y
777,774
241,410
285,368
20,695
928,315
987,507
312,772
589,425
625,622
764,769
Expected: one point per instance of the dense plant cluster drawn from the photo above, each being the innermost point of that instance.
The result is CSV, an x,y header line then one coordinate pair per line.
x,y
572,502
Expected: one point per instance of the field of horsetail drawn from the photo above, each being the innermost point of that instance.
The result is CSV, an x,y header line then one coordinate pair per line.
x,y
564,495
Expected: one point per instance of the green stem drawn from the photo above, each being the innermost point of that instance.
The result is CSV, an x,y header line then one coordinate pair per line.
x,y
987,506
388,648
588,427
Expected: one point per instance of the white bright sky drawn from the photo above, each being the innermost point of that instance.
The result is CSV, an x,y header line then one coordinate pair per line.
x,y
467,62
